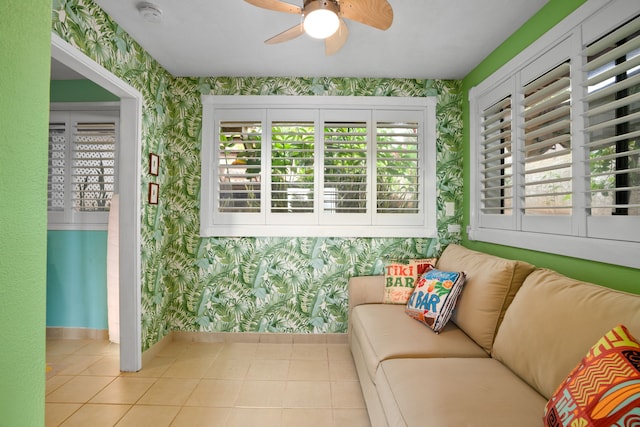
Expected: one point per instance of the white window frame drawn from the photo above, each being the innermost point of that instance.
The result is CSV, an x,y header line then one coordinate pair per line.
x,y
575,237
70,219
422,224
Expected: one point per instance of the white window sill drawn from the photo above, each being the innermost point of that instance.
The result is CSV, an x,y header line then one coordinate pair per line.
x,y
601,250
316,231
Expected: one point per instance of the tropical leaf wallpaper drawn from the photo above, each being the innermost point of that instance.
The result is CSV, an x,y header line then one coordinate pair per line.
x,y
296,285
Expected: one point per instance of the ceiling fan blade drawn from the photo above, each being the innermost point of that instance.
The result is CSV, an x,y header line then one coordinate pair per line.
x,y
277,5
286,35
334,43
375,13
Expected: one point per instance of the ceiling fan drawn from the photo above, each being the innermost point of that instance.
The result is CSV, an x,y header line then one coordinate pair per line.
x,y
323,19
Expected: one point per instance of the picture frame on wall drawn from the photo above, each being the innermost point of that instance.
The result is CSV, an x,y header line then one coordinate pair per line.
x,y
154,164
154,192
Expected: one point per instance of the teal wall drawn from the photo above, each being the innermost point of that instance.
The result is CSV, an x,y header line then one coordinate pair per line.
x,y
622,278
25,26
79,91
77,279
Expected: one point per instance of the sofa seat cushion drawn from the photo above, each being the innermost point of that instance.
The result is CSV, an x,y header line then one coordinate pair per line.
x,y
452,392
384,331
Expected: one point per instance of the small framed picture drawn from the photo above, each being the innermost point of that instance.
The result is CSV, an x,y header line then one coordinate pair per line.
x,y
154,164
154,190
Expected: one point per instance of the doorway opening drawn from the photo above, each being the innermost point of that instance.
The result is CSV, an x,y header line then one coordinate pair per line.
x,y
129,194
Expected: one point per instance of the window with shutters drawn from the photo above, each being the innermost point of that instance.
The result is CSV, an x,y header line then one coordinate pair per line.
x,y
555,141
327,166
82,168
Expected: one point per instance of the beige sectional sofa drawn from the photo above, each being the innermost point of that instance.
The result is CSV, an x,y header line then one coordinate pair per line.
x,y
516,333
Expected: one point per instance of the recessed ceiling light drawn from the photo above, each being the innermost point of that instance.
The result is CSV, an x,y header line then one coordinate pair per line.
x,y
149,12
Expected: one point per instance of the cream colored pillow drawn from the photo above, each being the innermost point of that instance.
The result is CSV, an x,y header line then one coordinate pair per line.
x,y
490,287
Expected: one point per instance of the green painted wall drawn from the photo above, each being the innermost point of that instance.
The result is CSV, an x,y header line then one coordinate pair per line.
x,y
79,91
77,279
24,109
622,278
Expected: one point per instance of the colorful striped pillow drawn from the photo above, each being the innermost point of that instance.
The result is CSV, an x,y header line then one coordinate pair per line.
x,y
604,389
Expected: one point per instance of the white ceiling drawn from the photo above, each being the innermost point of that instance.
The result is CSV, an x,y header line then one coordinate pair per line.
x,y
428,39
59,71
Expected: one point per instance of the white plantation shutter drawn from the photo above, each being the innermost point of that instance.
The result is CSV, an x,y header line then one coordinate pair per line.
x,y
496,163
613,133
547,144
345,168
239,168
398,167
292,166
83,147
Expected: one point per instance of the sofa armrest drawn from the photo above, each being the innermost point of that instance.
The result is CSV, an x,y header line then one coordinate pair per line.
x,y
365,290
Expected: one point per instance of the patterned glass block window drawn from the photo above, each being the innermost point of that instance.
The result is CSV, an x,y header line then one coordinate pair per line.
x,y
57,163
93,172
82,167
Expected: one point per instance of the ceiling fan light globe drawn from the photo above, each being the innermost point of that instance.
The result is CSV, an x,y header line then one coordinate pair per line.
x,y
321,23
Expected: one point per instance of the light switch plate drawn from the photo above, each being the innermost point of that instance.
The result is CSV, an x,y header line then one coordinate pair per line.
x,y
454,228
449,208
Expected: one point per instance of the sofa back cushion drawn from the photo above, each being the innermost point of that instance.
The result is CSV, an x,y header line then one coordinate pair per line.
x,y
489,289
554,321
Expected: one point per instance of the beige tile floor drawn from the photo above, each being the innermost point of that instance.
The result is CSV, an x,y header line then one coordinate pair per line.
x,y
204,384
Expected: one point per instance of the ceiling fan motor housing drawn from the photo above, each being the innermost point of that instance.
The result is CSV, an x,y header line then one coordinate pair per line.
x,y
313,5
